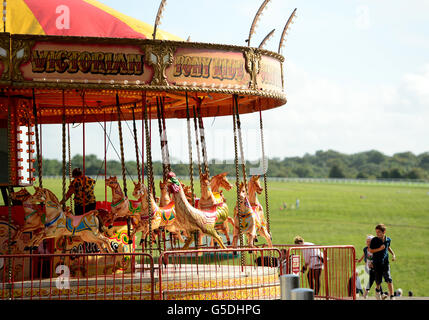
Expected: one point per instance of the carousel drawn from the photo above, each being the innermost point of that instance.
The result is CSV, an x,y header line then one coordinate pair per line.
x,y
115,71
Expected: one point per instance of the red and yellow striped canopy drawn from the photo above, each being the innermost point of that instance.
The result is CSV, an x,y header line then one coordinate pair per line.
x,y
85,18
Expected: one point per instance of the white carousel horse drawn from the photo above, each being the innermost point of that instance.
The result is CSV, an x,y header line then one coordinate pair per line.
x,y
251,221
190,218
212,200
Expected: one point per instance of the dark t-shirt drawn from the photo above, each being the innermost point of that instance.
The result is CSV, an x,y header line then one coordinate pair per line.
x,y
383,255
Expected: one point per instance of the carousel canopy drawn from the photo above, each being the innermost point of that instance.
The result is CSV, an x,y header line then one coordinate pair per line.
x,y
86,61
84,18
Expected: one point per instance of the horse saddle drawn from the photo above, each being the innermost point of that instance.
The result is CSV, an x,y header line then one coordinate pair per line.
x,y
75,221
167,212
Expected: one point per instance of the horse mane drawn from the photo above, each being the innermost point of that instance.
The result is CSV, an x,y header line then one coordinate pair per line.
x,y
52,196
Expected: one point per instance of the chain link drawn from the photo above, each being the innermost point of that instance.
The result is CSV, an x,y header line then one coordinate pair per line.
x,y
267,208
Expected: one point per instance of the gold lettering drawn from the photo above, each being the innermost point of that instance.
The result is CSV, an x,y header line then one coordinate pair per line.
x,y
135,64
50,66
38,60
84,62
97,65
94,62
61,64
73,59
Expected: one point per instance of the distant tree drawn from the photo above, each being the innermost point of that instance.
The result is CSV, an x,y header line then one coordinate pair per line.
x,y
415,174
424,161
375,157
361,175
385,174
303,171
336,172
370,164
395,174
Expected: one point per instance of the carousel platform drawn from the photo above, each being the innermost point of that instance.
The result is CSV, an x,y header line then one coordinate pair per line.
x,y
174,282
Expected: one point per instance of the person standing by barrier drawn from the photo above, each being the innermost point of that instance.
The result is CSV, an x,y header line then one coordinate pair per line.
x,y
313,260
83,189
380,248
369,266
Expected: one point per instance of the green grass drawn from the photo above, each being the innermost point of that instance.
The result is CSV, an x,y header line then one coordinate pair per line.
x,y
343,214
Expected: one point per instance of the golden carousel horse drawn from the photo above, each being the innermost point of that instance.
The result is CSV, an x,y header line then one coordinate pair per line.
x,y
32,214
251,221
58,223
121,206
212,200
189,218
160,216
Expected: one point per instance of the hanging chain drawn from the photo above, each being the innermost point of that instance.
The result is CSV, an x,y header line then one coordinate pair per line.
x,y
240,139
191,166
121,142
136,144
237,182
197,142
39,156
164,128
264,166
202,137
150,181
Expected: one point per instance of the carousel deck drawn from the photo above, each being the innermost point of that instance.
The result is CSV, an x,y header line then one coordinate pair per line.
x,y
181,282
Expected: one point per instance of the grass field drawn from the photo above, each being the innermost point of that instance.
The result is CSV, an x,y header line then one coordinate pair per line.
x,y
343,214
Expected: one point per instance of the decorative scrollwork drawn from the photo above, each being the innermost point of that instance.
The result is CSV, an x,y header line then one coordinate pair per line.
x,y
5,58
21,50
253,66
160,57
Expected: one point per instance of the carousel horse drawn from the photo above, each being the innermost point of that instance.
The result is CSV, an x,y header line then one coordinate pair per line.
x,y
251,221
164,199
190,218
160,216
214,201
220,181
254,188
121,206
58,223
32,214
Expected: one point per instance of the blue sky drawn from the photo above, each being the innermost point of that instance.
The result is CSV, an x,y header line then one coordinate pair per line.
x,y
356,74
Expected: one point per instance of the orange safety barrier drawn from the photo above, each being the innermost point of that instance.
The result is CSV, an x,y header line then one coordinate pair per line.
x,y
227,274
80,276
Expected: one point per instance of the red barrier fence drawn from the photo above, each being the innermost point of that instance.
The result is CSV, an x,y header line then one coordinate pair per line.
x,y
233,273
228,274
330,270
76,276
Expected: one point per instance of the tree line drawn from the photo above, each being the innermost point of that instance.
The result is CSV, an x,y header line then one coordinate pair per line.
x,y
323,164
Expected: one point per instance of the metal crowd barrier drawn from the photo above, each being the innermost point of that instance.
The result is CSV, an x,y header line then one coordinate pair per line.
x,y
227,274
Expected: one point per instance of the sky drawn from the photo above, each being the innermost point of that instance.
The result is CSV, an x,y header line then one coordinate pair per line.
x,y
356,77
